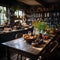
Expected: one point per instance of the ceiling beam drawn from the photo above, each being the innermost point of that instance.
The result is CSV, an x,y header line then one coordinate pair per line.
x,y
43,3
13,3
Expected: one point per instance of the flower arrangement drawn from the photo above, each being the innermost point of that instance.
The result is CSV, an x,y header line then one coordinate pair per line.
x,y
40,25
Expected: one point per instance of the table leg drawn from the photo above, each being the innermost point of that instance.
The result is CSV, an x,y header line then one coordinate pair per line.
x,y
8,54
21,57
18,57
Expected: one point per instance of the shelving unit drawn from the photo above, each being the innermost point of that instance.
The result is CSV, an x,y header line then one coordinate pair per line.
x,y
49,15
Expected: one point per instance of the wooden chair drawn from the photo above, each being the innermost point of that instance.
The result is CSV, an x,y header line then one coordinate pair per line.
x,y
49,51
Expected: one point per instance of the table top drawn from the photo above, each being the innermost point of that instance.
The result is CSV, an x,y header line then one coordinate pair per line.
x,y
21,45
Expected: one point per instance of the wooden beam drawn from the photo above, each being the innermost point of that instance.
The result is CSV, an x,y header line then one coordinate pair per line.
x,y
43,3
13,3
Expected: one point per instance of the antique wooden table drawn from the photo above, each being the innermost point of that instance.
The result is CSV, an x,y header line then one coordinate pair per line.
x,y
25,49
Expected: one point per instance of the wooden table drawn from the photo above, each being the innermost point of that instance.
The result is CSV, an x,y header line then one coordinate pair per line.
x,y
25,49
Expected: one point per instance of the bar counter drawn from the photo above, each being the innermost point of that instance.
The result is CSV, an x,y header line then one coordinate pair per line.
x,y
10,35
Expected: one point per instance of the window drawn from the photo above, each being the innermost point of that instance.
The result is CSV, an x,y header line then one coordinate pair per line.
x,y
3,17
19,13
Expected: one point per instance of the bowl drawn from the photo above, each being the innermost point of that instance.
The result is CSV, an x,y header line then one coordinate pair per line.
x,y
29,38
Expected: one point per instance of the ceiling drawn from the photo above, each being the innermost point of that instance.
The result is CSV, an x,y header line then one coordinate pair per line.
x,y
52,1
30,2
45,3
38,2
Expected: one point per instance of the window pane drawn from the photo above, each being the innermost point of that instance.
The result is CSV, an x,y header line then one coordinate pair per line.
x,y
2,14
20,13
5,18
2,21
16,13
5,8
1,9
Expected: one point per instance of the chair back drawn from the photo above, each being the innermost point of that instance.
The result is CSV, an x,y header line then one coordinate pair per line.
x,y
50,50
18,35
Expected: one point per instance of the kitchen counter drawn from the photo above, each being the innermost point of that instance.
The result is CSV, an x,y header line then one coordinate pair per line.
x,y
10,35
17,30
